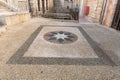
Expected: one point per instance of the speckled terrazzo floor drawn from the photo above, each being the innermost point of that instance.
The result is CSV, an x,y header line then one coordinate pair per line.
x,y
19,42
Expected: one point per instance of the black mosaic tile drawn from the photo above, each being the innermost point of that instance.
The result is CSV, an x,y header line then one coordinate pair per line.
x,y
68,39
52,38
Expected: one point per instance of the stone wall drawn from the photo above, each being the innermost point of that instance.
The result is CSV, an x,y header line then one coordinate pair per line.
x,y
3,9
12,3
95,9
7,6
72,4
15,5
64,6
13,18
35,8
109,13
23,5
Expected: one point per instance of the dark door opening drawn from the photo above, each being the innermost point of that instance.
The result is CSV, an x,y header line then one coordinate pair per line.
x,y
43,6
116,19
30,9
46,4
38,5
103,11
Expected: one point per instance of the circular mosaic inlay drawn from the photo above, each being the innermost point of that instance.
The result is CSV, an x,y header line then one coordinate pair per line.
x,y
60,37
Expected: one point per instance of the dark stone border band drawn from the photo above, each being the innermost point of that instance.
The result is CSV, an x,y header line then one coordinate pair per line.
x,y
18,58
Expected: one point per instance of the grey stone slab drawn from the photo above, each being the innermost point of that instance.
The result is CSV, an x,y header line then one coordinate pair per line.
x,y
108,39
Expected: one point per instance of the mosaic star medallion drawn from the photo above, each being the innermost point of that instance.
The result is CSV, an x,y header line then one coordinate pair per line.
x,y
38,48
60,37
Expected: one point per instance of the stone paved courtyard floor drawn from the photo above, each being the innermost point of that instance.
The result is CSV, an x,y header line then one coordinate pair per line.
x,y
48,49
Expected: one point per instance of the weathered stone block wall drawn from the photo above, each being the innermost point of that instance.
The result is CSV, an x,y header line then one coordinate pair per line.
x,y
7,6
3,8
72,4
14,18
15,5
64,6
23,5
95,9
109,13
34,7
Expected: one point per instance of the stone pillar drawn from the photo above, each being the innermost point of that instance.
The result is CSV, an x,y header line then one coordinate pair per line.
x,y
62,2
45,4
41,5
8,1
74,3
82,4
27,6
16,4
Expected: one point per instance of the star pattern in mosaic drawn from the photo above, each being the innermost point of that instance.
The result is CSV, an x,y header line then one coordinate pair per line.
x,y
60,37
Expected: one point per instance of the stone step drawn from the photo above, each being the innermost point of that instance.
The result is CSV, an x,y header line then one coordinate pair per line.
x,y
12,18
58,15
3,29
4,10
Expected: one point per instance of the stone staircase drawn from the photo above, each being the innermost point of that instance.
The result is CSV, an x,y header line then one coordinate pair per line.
x,y
10,16
4,7
58,16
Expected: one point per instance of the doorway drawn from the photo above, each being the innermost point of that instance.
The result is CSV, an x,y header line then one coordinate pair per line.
x,y
103,11
116,19
43,6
